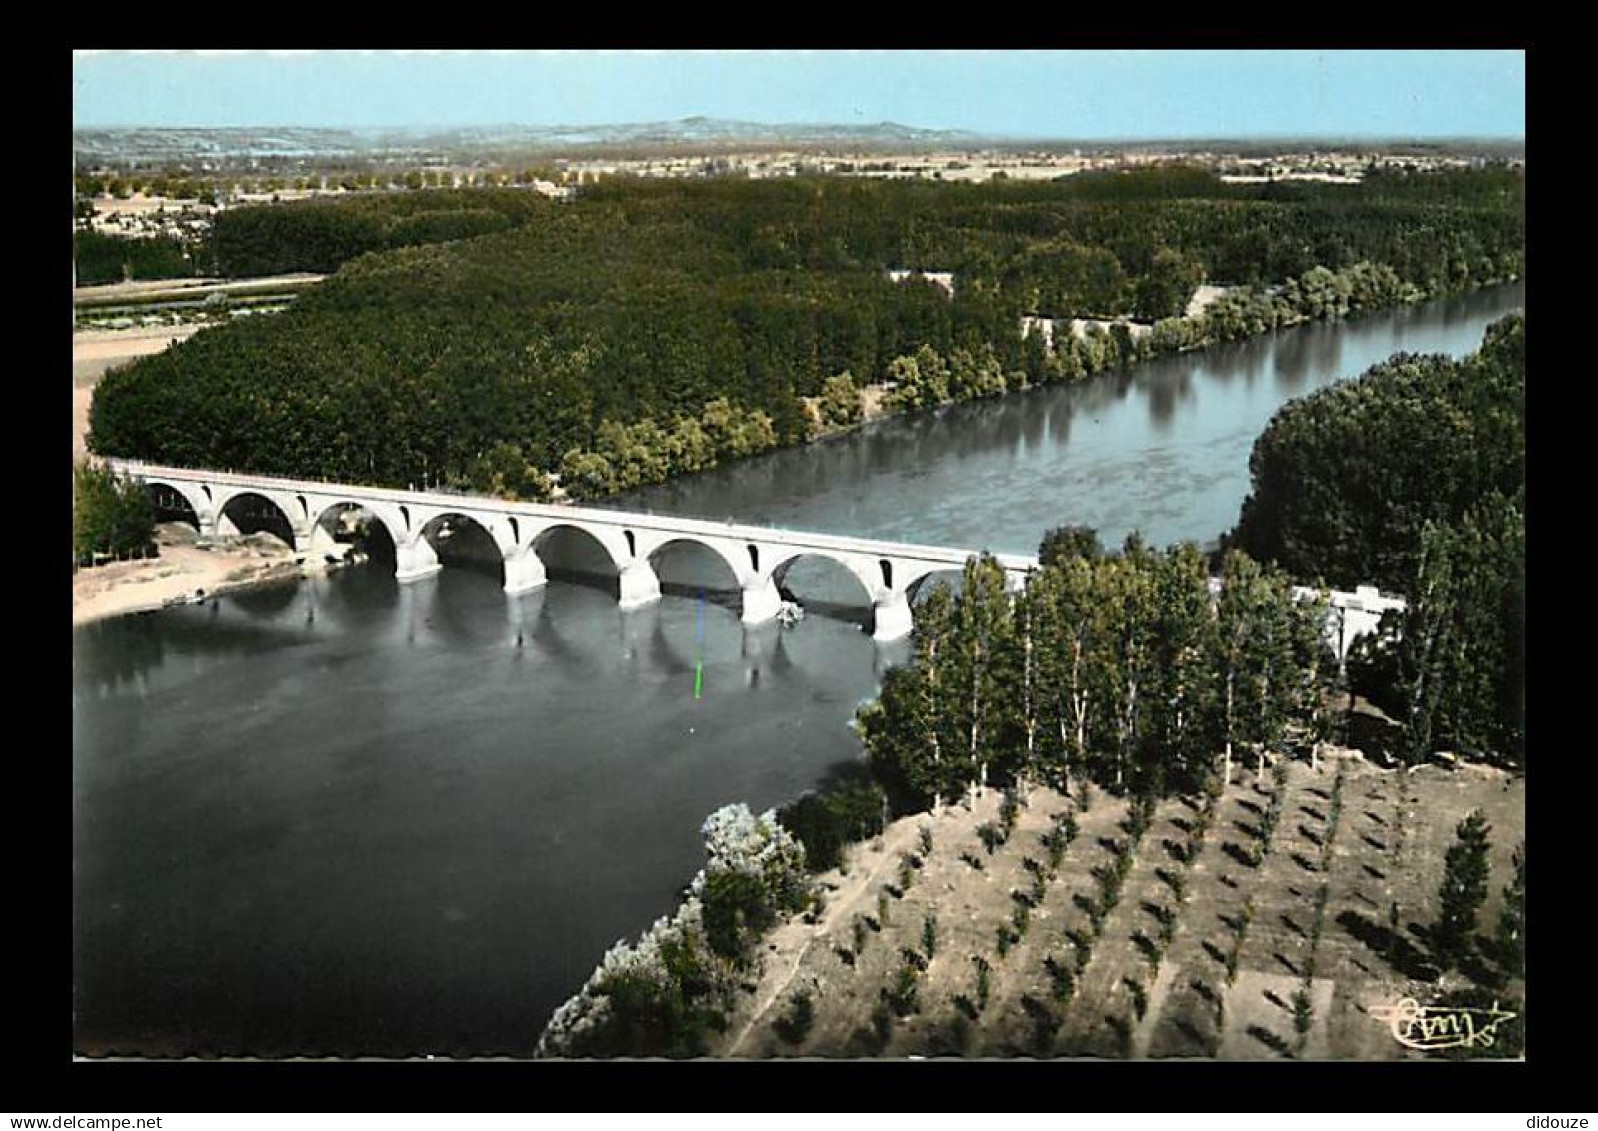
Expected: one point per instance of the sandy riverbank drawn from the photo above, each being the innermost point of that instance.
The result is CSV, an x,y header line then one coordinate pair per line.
x,y
184,569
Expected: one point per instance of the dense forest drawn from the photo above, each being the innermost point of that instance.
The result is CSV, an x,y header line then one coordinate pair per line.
x,y
1345,479
321,234
116,259
1413,477
496,340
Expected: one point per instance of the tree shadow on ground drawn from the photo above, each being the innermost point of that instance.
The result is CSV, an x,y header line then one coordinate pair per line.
x,y
1481,971
1391,947
1146,947
1204,990
1270,1040
1237,854
1190,1033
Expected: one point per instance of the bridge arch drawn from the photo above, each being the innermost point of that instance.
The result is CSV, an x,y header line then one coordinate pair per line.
x,y
178,502
728,566
817,566
331,525
923,582
570,547
245,512
865,572
464,540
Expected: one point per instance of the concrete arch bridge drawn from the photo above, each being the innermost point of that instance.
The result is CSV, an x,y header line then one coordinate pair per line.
x,y
418,521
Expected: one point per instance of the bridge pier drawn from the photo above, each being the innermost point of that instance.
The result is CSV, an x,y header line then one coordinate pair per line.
x,y
524,570
415,561
893,617
639,585
761,601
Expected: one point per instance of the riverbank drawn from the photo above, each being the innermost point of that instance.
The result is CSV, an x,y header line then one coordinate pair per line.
x,y
640,455
186,570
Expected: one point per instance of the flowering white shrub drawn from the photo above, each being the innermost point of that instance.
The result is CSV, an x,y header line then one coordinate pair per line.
x,y
769,864
738,841
587,1011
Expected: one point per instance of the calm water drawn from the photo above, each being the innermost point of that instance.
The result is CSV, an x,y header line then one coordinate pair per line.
x,y
349,817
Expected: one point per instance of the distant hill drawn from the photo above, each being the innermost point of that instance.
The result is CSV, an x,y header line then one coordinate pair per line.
x,y
313,147
154,145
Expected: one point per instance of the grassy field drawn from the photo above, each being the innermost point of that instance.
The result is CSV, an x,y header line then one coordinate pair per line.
x,y
1199,951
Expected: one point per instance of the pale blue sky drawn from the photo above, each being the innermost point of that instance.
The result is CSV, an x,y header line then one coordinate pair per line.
x,y
1066,94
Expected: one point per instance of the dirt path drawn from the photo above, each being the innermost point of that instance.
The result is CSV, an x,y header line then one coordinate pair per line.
x,y
111,346
141,289
799,938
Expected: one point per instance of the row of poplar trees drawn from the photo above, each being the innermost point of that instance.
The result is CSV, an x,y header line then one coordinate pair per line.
x,y
1129,671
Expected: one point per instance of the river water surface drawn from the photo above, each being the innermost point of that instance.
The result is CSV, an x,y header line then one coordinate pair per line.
x,y
347,817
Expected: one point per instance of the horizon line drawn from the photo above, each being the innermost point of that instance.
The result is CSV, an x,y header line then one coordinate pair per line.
x,y
979,134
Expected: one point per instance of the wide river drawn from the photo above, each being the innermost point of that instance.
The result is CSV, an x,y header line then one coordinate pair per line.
x,y
346,817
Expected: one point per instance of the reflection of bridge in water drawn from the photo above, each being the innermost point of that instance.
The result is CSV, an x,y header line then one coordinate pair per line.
x,y
757,557
418,522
